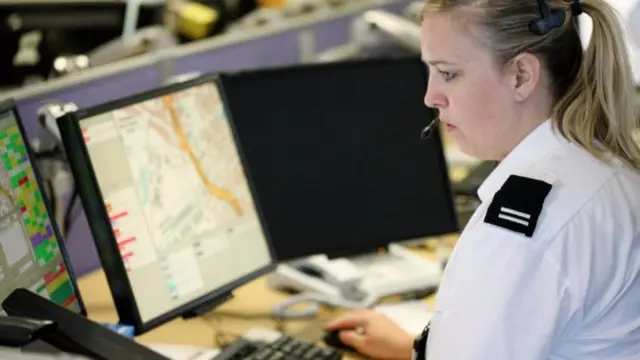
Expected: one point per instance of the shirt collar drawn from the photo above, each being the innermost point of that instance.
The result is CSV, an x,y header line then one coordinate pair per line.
x,y
534,147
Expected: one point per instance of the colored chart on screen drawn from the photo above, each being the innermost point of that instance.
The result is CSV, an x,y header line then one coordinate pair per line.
x,y
31,257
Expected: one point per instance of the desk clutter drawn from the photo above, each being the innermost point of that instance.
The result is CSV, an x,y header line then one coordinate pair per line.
x,y
198,188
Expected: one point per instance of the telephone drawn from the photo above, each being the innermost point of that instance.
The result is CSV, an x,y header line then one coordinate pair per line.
x,y
353,283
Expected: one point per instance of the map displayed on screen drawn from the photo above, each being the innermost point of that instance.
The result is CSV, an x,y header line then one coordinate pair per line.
x,y
176,193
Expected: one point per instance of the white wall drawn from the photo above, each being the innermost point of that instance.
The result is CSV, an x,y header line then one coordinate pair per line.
x,y
629,11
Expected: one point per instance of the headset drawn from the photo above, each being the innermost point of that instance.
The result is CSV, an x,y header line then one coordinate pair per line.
x,y
550,19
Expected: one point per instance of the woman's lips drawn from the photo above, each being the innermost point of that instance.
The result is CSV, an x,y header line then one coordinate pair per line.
x,y
448,126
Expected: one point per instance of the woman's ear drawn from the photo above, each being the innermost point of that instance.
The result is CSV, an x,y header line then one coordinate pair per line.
x,y
524,73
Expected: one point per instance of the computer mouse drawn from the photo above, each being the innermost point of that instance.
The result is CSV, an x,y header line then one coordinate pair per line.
x,y
332,338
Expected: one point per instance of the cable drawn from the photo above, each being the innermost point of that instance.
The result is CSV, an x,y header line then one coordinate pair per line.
x,y
52,154
68,212
220,337
48,156
48,184
281,311
244,316
56,154
279,323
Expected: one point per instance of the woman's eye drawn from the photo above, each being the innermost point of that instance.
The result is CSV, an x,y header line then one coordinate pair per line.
x,y
447,75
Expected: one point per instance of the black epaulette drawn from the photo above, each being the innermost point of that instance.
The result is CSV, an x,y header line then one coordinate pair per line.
x,y
420,344
518,204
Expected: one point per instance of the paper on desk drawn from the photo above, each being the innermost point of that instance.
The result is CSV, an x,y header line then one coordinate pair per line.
x,y
183,352
412,316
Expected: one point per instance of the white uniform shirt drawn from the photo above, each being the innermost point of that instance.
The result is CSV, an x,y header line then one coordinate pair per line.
x,y
571,291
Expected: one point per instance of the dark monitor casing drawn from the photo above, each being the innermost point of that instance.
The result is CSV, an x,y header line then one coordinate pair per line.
x,y
324,141
10,105
73,333
104,238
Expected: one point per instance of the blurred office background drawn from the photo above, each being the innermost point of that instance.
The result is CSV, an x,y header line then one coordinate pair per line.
x,y
81,53
63,54
48,39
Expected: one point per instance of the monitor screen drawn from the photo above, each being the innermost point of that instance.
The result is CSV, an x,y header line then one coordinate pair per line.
x,y
31,250
336,155
175,195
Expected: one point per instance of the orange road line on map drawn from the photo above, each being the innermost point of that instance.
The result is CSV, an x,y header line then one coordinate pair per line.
x,y
184,144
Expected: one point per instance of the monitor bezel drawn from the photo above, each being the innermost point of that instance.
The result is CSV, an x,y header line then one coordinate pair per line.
x,y
436,137
11,105
93,203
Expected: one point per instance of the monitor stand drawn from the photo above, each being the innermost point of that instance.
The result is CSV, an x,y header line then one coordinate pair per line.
x,y
358,281
208,306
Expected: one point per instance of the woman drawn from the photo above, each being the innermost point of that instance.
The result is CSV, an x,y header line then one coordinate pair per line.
x,y
549,265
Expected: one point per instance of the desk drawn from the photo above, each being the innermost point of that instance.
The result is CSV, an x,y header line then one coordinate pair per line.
x,y
253,301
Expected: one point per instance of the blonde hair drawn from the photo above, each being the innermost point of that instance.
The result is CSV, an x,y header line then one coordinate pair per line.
x,y
595,98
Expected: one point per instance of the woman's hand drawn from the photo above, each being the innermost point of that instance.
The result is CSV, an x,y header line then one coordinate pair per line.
x,y
373,334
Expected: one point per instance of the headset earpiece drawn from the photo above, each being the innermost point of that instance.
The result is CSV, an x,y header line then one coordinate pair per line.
x,y
549,19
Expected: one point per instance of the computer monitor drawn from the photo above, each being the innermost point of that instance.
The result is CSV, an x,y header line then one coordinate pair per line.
x,y
32,253
168,200
336,156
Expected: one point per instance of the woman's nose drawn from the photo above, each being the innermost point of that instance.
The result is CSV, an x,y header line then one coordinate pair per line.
x,y
434,98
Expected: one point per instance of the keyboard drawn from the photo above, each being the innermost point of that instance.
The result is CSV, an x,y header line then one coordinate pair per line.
x,y
280,347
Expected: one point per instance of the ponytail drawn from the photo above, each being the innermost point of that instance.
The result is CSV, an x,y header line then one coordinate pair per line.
x,y
599,111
